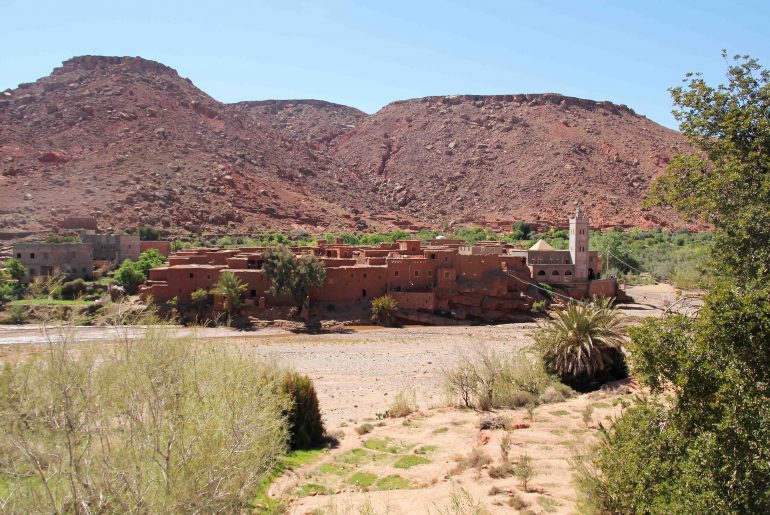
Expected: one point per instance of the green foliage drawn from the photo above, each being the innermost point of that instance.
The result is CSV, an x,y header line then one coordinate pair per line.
x,y
16,270
409,461
582,341
200,301
393,482
292,276
129,276
728,182
149,259
231,289
524,471
17,315
306,428
73,289
125,428
149,234
384,310
54,238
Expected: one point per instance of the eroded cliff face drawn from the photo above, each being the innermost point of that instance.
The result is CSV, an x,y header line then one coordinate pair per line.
x,y
130,142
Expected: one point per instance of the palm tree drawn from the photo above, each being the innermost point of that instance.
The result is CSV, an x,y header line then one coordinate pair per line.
x,y
582,339
231,288
384,310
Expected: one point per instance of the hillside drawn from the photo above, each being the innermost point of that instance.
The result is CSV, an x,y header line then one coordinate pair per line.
x,y
130,141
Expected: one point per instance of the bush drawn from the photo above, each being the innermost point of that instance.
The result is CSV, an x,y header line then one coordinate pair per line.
x,y
16,270
403,404
306,428
476,459
73,289
17,315
149,234
155,426
384,310
129,276
364,429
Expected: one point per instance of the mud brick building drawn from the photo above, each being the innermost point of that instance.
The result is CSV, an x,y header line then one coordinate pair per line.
x,y
70,259
489,280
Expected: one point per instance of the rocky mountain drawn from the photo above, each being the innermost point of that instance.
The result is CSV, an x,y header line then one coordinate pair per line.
x,y
131,142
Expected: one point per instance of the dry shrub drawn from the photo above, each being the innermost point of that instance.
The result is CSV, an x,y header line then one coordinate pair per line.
x,y
154,425
476,459
517,503
503,470
405,403
495,422
364,429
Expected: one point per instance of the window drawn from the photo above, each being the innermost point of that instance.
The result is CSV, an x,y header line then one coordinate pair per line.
x,y
430,273
18,255
363,293
253,293
555,272
417,273
541,272
364,276
432,256
191,275
446,275
395,273
31,255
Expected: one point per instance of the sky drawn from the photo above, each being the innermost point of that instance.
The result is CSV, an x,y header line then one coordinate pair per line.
x,y
366,54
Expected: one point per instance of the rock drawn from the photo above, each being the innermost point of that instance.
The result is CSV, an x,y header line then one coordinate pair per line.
x,y
54,157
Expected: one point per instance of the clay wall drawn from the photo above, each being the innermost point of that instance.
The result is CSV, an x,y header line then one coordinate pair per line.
x,y
425,301
411,274
352,283
164,247
70,259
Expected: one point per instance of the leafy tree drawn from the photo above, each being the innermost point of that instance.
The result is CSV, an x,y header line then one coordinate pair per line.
x,y
6,290
148,259
200,300
130,276
149,234
231,288
292,276
707,449
582,340
16,270
384,310
727,183
523,228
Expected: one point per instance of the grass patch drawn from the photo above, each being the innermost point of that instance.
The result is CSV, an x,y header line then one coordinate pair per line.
x,y
333,469
358,457
362,479
425,449
440,430
601,404
386,445
313,488
290,461
559,413
412,460
394,482
50,302
549,504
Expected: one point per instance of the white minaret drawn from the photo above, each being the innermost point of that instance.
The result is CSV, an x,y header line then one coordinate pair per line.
x,y
578,244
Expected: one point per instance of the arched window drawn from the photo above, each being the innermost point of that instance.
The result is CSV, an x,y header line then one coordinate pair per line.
x,y
567,273
541,272
555,272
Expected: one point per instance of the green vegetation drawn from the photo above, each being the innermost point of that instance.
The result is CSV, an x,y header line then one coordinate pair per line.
x,y
410,460
292,276
53,238
386,445
393,482
195,453
384,310
487,379
304,416
230,288
149,234
704,449
582,343
524,471
333,468
16,270
131,274
51,302
403,404
362,479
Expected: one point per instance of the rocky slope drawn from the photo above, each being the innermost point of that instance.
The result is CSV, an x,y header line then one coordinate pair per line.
x,y
130,141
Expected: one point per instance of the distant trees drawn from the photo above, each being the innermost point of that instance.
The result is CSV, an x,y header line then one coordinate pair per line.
x,y
149,234
131,274
384,310
290,275
230,288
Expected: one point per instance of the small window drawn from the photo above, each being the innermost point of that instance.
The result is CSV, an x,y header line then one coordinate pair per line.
x,y
18,255
253,293
541,272
555,272
191,275
364,276
31,255
430,273
446,275
417,273
567,273
395,273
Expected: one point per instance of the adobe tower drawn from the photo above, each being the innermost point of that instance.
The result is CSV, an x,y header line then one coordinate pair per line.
x,y
578,244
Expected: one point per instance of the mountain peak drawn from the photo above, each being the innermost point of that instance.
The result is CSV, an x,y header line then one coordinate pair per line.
x,y
134,64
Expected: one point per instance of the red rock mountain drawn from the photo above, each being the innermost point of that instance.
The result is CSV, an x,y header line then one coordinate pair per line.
x,y
131,142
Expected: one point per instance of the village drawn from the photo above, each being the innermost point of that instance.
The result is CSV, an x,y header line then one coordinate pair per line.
x,y
432,282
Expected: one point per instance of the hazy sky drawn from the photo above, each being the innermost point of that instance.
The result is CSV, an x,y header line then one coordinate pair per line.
x,y
366,54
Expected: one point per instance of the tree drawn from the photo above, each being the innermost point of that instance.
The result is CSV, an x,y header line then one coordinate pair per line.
x,y
727,182
582,340
149,259
524,471
16,270
231,288
129,276
149,234
200,300
292,276
384,310
707,448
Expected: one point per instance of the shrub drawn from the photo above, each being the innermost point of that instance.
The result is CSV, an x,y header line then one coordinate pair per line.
x,y
495,422
148,260
16,270
73,289
364,429
403,404
476,459
539,306
384,310
129,276
17,315
306,428
154,426
149,234
524,471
